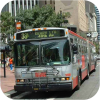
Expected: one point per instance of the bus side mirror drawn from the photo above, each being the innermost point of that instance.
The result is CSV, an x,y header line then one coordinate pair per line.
x,y
75,49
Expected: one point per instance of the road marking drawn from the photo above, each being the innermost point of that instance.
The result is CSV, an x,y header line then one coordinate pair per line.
x,y
50,99
10,93
21,95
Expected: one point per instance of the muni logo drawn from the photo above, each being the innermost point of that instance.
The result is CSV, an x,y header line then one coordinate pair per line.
x,y
43,74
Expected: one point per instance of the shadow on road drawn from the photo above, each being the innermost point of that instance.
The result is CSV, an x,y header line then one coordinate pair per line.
x,y
47,95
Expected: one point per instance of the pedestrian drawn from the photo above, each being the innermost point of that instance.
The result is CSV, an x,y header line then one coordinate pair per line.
x,y
7,62
11,62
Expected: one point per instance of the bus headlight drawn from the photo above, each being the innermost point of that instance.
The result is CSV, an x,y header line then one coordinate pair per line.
x,y
22,80
62,79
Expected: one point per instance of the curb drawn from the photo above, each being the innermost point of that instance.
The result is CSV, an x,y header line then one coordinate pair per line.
x,y
9,93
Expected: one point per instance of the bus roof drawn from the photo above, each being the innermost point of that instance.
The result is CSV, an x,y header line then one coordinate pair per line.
x,y
75,34
42,28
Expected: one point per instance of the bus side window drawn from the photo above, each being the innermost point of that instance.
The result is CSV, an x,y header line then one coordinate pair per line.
x,y
71,40
79,49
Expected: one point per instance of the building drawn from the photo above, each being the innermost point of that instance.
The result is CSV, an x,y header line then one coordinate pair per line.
x,y
78,20
90,12
15,5
47,2
98,22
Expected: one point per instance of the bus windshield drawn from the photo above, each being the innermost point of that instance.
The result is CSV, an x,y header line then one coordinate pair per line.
x,y
49,52
27,54
55,52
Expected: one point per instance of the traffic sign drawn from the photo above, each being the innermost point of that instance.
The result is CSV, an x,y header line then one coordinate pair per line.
x,y
18,25
88,34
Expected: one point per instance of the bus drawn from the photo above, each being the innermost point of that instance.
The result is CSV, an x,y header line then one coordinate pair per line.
x,y
51,59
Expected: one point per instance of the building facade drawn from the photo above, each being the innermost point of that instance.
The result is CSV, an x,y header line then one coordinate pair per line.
x,y
98,22
90,12
47,2
76,8
15,5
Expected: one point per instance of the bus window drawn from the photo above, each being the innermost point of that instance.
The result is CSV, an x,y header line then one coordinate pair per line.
x,y
55,52
27,54
71,40
66,53
79,49
75,40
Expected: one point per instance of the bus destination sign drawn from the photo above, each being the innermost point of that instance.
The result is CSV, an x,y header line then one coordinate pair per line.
x,y
40,34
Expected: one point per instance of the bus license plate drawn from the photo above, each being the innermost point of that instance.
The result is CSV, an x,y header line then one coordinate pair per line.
x,y
36,89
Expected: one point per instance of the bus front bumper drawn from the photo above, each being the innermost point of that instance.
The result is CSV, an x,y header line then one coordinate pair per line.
x,y
44,87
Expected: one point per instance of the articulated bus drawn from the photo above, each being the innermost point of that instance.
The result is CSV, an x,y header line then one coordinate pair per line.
x,y
51,59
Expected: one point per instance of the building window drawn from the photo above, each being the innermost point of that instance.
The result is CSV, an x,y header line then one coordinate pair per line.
x,y
50,1
32,3
54,1
54,7
21,2
36,2
45,2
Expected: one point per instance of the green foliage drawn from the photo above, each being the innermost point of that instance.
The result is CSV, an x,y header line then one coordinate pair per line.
x,y
97,47
7,23
40,17
32,18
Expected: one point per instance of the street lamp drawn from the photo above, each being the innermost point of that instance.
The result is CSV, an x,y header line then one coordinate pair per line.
x,y
61,15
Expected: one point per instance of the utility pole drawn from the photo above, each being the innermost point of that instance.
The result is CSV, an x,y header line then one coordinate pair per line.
x,y
61,15
4,64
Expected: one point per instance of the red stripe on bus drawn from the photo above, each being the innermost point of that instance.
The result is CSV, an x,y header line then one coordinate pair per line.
x,y
75,82
83,61
84,74
92,67
79,36
76,35
69,74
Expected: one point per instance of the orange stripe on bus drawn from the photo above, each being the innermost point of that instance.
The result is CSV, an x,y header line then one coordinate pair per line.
x,y
84,74
75,82
92,67
79,36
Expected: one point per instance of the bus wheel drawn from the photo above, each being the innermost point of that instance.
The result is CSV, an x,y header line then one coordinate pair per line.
x,y
79,82
95,66
88,74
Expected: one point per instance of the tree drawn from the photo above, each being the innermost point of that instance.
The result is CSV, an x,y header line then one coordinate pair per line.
x,y
40,17
97,47
7,23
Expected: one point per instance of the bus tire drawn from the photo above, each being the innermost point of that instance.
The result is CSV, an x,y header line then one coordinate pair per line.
x,y
79,82
95,66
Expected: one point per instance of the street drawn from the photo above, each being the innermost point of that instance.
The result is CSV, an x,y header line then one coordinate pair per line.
x,y
88,89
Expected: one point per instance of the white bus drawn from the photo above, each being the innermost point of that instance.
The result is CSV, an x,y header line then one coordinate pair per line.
x,y
51,59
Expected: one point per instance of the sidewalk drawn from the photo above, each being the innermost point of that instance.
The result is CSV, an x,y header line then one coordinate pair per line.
x,y
7,83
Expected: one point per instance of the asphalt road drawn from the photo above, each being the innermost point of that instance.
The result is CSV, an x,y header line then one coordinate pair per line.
x,y
89,88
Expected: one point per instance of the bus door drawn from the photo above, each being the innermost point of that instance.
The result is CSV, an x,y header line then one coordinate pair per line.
x,y
89,55
73,59
92,58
